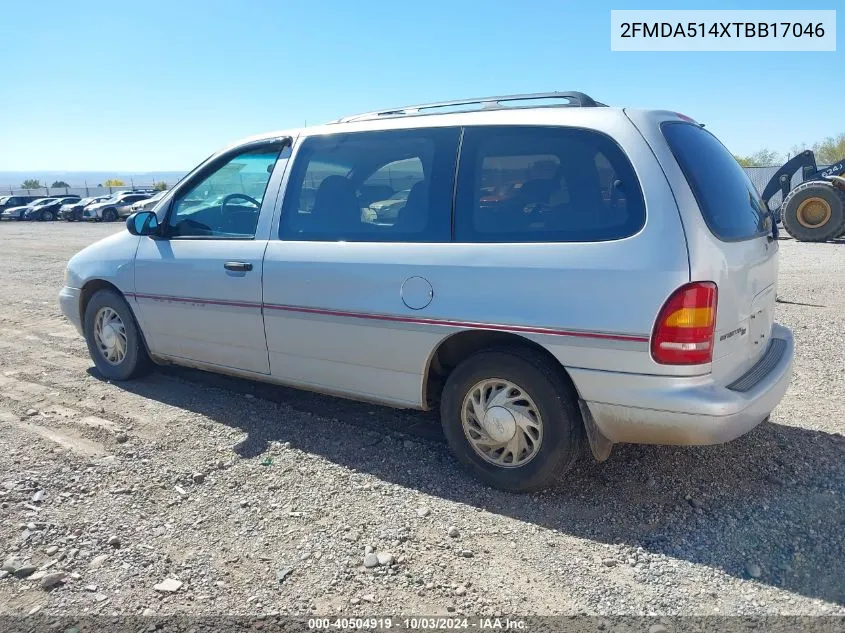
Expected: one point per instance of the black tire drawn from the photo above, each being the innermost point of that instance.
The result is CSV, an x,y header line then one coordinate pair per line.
x,y
136,362
47,216
831,195
554,398
109,215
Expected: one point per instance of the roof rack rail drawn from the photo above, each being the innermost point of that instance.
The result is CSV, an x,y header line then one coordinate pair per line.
x,y
573,99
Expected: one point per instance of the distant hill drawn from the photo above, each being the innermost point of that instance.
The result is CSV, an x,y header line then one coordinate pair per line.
x,y
93,178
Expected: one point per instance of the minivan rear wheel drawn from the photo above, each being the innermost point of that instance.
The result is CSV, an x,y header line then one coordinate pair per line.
x,y
511,419
113,337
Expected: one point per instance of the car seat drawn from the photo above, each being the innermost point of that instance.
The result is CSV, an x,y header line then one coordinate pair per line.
x,y
335,207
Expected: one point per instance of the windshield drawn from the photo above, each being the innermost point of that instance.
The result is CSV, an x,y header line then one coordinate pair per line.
x,y
4,199
43,201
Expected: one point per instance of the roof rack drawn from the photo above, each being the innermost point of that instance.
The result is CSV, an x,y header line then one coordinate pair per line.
x,y
573,99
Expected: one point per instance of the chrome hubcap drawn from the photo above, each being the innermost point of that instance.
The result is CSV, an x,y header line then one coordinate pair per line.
x,y
110,335
502,423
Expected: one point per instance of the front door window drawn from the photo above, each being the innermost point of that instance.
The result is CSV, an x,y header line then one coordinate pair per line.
x,y
226,202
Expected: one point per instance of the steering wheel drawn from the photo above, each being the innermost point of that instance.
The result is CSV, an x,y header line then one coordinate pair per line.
x,y
232,196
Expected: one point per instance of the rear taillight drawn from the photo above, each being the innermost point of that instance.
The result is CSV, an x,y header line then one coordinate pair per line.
x,y
683,333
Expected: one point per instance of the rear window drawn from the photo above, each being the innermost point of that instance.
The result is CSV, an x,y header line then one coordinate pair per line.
x,y
728,200
545,184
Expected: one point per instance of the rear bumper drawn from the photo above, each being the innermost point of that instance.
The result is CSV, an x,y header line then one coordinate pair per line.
x,y
69,303
668,410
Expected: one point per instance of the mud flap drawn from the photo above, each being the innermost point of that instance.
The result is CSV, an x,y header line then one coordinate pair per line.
x,y
599,444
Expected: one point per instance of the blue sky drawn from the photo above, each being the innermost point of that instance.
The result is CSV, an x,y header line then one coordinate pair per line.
x,y
158,85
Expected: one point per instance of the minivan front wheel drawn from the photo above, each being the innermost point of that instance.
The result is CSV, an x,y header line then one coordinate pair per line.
x,y
113,338
511,419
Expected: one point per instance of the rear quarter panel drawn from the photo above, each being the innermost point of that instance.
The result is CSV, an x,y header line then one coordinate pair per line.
x,y
742,270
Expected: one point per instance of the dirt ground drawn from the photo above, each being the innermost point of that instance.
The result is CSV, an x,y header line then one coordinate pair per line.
x,y
254,499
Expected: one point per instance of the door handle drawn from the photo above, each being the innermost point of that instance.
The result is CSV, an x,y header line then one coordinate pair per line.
x,y
240,267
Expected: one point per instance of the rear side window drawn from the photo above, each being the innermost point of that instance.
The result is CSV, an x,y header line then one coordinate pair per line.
x,y
545,184
392,185
728,200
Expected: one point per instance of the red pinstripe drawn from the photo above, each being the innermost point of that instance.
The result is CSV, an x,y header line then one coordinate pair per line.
x,y
402,319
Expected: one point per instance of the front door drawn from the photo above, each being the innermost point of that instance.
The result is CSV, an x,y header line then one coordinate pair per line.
x,y
198,286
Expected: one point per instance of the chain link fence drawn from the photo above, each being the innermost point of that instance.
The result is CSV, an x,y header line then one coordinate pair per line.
x,y
83,192
760,176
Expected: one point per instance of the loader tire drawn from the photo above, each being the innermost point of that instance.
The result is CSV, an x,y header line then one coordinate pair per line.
x,y
814,212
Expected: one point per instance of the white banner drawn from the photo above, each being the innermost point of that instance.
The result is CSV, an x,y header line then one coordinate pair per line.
x,y
723,30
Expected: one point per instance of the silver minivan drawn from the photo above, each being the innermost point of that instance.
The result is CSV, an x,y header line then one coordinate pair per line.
x,y
559,274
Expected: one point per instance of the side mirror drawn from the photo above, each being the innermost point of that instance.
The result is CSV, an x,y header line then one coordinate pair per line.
x,y
143,223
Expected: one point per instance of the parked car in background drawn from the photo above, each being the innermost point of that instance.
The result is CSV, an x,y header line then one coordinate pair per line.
x,y
125,210
47,212
455,304
146,205
388,210
107,210
17,213
8,202
72,212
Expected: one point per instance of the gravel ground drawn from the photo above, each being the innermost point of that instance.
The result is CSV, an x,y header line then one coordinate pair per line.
x,y
191,493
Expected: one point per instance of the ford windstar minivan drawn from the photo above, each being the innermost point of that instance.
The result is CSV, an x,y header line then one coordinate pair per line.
x,y
551,273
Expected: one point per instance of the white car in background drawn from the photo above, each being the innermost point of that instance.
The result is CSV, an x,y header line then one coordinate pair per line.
x,y
113,208
146,205
388,210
